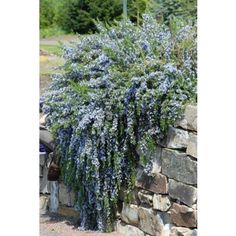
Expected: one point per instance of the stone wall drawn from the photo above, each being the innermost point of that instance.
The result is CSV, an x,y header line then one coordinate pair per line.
x,y
164,202
54,195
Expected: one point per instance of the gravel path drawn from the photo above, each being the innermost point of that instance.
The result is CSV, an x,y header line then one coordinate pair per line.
x,y
56,39
54,225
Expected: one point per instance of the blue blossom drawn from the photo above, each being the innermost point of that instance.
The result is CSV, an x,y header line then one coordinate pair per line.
x,y
118,89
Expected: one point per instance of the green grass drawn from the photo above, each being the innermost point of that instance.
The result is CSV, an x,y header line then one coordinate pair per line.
x,y
51,31
52,49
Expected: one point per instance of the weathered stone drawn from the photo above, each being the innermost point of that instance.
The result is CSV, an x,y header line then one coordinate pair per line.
x,y
181,231
43,201
46,139
155,155
41,171
150,221
42,120
183,216
189,118
176,138
128,230
178,166
167,230
156,183
42,158
68,211
43,182
54,198
129,214
156,167
145,197
66,197
192,145
161,202
183,192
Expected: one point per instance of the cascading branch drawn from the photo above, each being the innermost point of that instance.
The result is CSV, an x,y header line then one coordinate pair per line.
x,y
118,92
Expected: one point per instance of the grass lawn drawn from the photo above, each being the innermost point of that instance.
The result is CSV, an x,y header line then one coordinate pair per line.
x,y
50,60
51,49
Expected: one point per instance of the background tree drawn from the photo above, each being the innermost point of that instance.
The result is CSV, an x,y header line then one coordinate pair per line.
x,y
186,10
46,13
78,15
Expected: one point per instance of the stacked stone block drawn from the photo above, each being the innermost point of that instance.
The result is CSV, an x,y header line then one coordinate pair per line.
x,y
164,202
64,196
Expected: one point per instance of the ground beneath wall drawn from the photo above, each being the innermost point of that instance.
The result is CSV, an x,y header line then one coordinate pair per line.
x,y
55,225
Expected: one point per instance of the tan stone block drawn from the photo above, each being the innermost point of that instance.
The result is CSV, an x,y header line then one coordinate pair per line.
x,y
128,230
183,216
192,145
150,221
176,138
129,214
161,202
189,118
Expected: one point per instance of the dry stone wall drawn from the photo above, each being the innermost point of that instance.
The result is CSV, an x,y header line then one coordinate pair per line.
x,y
164,202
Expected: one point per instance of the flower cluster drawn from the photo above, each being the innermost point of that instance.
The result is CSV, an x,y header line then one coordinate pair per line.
x,y
118,92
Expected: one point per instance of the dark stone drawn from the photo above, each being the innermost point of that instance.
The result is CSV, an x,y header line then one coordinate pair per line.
x,y
177,165
157,183
183,192
46,139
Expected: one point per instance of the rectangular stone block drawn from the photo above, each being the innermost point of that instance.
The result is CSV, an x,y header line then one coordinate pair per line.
x,y
161,202
66,197
183,216
192,145
43,181
129,214
150,222
128,230
178,166
177,231
189,118
176,138
145,197
185,193
43,204
42,158
157,183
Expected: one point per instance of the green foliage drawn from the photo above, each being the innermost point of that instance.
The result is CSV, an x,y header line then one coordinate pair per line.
x,y
46,13
119,91
186,10
137,7
78,16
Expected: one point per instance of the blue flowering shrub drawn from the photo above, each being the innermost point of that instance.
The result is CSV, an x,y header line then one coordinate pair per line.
x,y
118,92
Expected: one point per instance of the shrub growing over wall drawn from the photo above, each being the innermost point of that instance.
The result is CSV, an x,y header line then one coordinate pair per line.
x,y
119,90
